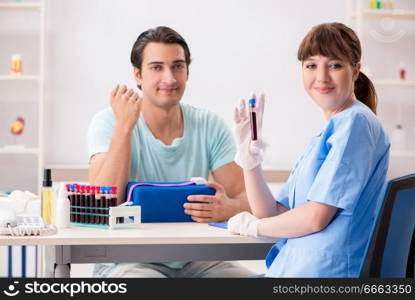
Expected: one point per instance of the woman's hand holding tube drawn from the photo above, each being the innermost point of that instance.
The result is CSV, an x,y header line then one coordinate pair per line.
x,y
249,152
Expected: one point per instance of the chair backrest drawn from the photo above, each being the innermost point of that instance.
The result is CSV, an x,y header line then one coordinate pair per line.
x,y
390,251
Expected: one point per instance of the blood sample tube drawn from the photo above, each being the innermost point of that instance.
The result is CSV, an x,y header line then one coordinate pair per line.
x,y
82,203
98,204
70,197
77,203
103,204
114,192
108,199
93,205
87,204
252,115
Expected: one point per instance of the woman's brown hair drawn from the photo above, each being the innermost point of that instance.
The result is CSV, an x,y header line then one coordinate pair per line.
x,y
338,41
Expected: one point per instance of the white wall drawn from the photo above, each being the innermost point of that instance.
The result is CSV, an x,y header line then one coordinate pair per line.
x,y
237,46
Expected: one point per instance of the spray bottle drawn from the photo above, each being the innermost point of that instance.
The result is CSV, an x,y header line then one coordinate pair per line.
x,y
48,197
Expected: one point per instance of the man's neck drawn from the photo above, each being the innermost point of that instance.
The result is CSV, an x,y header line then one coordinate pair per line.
x,y
166,124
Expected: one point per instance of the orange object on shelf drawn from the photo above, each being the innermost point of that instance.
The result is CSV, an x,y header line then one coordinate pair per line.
x,y
402,72
17,68
17,126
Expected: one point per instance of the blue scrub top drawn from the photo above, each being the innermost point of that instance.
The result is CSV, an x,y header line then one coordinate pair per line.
x,y
344,166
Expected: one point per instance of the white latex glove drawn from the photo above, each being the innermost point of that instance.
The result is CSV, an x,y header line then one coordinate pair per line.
x,y
244,223
249,153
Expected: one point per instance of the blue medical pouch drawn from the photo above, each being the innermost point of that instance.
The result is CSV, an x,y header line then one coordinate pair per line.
x,y
163,201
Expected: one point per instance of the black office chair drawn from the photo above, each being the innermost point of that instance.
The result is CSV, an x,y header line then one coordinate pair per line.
x,y
391,248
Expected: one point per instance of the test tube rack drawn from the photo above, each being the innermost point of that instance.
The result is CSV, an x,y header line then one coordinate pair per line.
x,y
96,206
115,217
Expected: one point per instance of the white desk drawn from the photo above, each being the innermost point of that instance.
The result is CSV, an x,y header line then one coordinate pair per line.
x,y
151,242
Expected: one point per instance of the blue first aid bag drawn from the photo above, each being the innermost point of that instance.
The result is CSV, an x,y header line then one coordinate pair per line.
x,y
163,201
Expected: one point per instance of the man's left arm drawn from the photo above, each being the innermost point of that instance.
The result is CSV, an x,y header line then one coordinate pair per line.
x,y
229,199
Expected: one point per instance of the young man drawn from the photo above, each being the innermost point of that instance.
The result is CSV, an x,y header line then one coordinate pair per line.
x,y
157,138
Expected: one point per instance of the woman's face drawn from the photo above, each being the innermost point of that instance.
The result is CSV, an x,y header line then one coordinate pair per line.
x,y
330,83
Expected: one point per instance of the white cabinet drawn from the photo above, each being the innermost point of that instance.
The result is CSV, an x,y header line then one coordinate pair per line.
x,y
388,39
22,31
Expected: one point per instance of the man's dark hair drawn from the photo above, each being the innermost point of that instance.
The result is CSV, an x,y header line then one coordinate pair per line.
x,y
160,34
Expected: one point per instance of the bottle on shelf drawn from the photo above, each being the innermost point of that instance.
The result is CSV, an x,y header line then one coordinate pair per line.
x,y
378,4
402,71
386,4
398,139
16,67
48,197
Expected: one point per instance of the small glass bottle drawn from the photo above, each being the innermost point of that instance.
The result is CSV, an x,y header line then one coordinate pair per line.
x,y
48,197
378,4
16,67
402,72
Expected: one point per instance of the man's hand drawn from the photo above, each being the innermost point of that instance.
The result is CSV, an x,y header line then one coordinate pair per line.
x,y
216,208
126,105
244,223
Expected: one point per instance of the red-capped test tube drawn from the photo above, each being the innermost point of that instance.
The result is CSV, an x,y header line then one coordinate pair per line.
x,y
77,203
114,192
98,204
93,203
82,203
87,210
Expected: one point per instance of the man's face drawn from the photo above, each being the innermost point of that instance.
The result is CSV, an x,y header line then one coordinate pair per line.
x,y
163,74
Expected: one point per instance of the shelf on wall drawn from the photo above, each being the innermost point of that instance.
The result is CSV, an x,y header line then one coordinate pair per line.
x,y
392,13
19,77
27,5
18,150
395,83
69,167
403,153
69,173
35,153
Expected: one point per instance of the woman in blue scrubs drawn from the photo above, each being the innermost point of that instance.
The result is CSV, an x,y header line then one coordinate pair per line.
x,y
323,213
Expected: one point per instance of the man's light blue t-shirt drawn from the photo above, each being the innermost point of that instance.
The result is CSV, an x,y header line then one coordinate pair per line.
x,y
206,145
